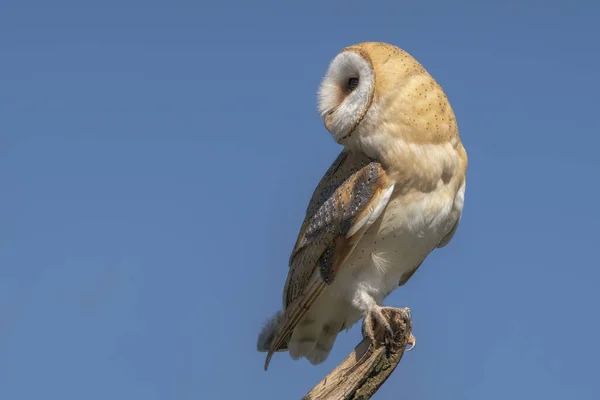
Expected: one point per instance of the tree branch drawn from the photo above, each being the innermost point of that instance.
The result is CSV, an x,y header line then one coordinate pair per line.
x,y
363,372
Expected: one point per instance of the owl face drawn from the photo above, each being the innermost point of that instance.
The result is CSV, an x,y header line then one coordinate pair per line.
x,y
346,93
375,93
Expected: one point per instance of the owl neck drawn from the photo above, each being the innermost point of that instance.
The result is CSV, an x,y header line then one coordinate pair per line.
x,y
409,162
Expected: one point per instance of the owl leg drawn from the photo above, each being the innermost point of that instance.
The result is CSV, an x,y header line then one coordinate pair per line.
x,y
364,301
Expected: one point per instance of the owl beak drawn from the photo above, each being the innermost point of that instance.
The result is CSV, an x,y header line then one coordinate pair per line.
x,y
328,119
329,125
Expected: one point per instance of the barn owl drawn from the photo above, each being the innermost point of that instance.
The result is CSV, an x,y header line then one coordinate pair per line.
x,y
393,195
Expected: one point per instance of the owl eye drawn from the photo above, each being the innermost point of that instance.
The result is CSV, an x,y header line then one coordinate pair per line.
x,y
352,83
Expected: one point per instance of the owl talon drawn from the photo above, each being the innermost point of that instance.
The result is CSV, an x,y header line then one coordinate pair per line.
x,y
412,342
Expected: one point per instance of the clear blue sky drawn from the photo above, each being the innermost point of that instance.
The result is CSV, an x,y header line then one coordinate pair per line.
x,y
156,159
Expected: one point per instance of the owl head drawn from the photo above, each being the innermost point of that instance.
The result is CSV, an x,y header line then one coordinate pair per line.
x,y
375,91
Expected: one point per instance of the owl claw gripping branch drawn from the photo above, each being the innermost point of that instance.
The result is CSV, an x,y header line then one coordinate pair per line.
x,y
376,316
393,195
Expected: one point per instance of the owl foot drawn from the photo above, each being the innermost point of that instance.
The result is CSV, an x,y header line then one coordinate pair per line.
x,y
380,315
375,316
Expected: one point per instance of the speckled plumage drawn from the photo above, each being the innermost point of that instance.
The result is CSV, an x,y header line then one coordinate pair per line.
x,y
392,196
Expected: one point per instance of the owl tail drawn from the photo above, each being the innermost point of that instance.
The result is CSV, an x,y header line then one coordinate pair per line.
x,y
267,333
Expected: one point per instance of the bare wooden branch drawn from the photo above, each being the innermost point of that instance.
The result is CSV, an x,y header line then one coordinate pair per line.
x,y
369,365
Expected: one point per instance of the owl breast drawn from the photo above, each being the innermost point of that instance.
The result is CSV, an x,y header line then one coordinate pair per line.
x,y
393,248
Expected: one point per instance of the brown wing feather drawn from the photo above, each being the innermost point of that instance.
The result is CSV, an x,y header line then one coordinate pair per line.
x,y
341,209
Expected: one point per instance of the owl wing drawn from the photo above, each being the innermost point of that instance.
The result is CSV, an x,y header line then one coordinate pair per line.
x,y
349,198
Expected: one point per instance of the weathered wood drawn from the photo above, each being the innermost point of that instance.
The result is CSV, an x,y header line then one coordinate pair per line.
x,y
369,365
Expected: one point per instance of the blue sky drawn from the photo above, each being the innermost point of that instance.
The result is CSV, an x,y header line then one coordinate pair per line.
x,y
156,159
